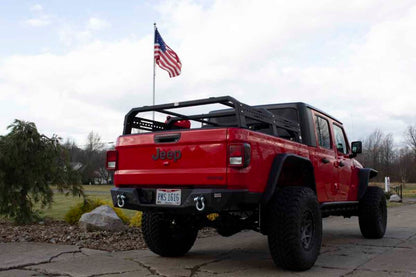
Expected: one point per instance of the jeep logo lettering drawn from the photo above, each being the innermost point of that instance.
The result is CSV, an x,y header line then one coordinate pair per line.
x,y
169,155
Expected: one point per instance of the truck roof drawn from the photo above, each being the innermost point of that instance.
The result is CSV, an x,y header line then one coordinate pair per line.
x,y
297,105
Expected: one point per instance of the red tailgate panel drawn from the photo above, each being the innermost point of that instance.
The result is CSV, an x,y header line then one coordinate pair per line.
x,y
197,158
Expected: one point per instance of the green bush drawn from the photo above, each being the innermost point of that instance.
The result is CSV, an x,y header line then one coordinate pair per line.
x,y
120,213
136,220
75,212
29,163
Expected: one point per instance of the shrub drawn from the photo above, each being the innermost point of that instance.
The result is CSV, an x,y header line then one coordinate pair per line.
x,y
136,220
29,163
120,214
75,212
86,206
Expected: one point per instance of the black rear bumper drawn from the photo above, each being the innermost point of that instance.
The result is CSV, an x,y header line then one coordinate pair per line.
x,y
215,200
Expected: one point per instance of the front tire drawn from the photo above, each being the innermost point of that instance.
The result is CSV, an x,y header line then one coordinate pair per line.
x,y
372,213
295,228
168,235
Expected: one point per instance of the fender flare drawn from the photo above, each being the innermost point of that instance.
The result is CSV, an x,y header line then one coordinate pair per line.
x,y
364,175
276,170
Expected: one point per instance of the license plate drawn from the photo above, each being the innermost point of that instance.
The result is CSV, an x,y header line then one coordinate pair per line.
x,y
168,197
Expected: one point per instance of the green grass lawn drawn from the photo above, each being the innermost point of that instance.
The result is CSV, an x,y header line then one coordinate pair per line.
x,y
61,203
409,191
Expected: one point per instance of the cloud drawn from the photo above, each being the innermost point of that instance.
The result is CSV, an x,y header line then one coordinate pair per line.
x,y
354,60
40,19
96,24
36,8
38,22
71,35
86,89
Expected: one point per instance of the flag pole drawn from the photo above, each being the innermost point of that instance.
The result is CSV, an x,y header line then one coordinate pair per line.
x,y
154,71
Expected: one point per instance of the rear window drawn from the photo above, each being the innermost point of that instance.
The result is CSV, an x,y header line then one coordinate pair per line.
x,y
287,113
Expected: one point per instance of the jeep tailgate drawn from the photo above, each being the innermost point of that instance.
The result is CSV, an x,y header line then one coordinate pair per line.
x,y
177,158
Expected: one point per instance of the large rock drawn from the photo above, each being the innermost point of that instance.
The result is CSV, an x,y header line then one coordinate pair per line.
x,y
395,198
101,218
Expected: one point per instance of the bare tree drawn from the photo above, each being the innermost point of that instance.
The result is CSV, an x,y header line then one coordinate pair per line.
x,y
379,153
411,138
405,165
93,158
372,149
387,154
94,142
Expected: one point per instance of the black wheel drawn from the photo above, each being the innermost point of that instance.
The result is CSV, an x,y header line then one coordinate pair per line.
x,y
167,235
372,213
295,228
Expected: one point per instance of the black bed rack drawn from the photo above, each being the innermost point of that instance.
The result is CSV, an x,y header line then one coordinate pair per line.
x,y
245,117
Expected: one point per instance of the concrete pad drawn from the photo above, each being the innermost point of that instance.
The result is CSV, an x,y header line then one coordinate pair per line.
x,y
348,257
89,252
205,251
91,265
410,243
67,256
18,273
394,260
128,274
175,267
13,255
400,232
344,252
367,273
313,272
384,242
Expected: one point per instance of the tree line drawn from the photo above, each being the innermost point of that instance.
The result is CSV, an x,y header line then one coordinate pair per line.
x,y
380,153
89,161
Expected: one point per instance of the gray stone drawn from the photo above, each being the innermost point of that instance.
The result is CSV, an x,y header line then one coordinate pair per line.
x,y
101,218
395,198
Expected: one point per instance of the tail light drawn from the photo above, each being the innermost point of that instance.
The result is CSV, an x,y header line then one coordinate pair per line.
x,y
111,162
239,154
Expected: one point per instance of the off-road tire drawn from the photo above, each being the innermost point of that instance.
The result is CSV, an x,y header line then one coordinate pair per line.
x,y
168,236
295,228
372,213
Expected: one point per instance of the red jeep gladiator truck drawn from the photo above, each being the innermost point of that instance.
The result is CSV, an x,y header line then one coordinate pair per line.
x,y
277,169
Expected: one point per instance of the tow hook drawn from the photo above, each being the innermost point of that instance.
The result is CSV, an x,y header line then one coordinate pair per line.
x,y
199,203
120,200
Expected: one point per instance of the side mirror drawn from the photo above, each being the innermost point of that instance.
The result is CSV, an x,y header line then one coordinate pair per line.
x,y
356,148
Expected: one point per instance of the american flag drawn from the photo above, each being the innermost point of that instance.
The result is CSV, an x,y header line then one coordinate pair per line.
x,y
165,57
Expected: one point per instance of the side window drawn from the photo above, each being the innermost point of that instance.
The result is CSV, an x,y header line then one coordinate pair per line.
x,y
322,131
340,140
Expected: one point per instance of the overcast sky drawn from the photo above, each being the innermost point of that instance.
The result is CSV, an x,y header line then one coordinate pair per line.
x,y
78,66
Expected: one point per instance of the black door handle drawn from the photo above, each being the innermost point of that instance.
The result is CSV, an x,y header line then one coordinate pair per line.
x,y
325,160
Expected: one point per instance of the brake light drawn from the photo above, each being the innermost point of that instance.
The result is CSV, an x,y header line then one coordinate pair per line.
x,y
239,154
111,162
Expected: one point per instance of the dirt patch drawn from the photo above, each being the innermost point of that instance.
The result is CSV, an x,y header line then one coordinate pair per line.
x,y
60,232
